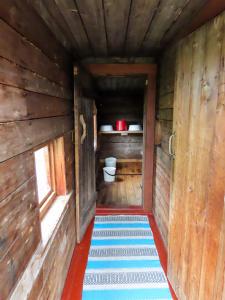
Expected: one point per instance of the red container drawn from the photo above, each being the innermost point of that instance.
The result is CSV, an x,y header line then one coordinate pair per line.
x,y
121,125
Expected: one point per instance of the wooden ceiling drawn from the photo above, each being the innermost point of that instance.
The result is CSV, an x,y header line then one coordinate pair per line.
x,y
104,28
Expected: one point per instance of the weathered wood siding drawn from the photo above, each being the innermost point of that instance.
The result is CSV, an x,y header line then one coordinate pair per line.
x,y
196,263
35,107
163,162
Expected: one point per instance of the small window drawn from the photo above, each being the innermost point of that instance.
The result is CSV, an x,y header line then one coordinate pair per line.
x,y
50,173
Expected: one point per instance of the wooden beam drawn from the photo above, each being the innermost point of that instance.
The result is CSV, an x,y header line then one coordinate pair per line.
x,y
149,131
210,10
120,69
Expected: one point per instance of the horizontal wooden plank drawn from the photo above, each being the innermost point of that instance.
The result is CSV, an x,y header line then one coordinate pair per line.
x,y
20,15
17,137
121,150
16,260
130,138
46,259
20,51
14,172
20,208
120,69
134,118
14,75
17,104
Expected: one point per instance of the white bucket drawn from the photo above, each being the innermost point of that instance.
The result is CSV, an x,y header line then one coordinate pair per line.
x,y
109,174
110,162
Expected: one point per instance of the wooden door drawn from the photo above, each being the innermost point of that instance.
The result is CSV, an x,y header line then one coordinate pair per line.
x,y
84,163
196,256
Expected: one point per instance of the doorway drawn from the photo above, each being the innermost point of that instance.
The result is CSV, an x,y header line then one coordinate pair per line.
x,y
127,91
120,98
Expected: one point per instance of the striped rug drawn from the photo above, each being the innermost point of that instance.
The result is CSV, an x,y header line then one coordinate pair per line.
x,y
123,263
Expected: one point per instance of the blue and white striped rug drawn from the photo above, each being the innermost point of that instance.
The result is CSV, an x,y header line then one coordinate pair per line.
x,y
123,263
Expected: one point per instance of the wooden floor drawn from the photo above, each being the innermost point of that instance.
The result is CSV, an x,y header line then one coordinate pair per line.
x,y
125,192
74,282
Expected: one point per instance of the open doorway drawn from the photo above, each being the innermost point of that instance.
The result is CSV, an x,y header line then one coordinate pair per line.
x,y
120,98
125,92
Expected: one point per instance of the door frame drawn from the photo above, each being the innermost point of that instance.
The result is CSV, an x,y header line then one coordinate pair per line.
x,y
150,70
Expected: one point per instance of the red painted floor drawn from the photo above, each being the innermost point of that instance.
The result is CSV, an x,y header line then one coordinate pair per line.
x,y
74,282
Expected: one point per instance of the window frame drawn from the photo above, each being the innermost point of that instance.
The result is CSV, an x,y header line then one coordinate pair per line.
x,y
48,200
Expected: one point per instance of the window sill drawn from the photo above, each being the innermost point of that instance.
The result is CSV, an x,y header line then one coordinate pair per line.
x,y
52,218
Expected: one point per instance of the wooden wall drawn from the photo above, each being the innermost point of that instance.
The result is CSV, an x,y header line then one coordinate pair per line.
x,y
113,108
121,147
110,109
163,162
35,107
196,266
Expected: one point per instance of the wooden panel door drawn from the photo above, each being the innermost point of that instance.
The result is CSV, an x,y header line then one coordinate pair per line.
x,y
196,257
84,163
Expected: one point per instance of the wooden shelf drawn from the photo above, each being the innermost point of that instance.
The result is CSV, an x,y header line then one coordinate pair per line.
x,y
120,132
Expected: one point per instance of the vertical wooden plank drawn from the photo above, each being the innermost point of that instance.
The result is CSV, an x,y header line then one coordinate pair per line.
x,y
149,131
198,191
93,17
116,16
77,153
181,116
60,176
215,187
70,13
142,12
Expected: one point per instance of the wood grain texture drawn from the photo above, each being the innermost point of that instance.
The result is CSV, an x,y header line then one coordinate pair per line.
x,y
195,258
19,15
22,168
17,104
163,162
149,142
128,27
116,16
121,150
141,15
52,17
35,107
183,20
71,15
18,242
18,137
20,51
13,75
93,17
125,192
167,13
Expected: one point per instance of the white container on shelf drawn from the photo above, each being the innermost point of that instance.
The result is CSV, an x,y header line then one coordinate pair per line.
x,y
135,127
110,162
106,128
109,174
